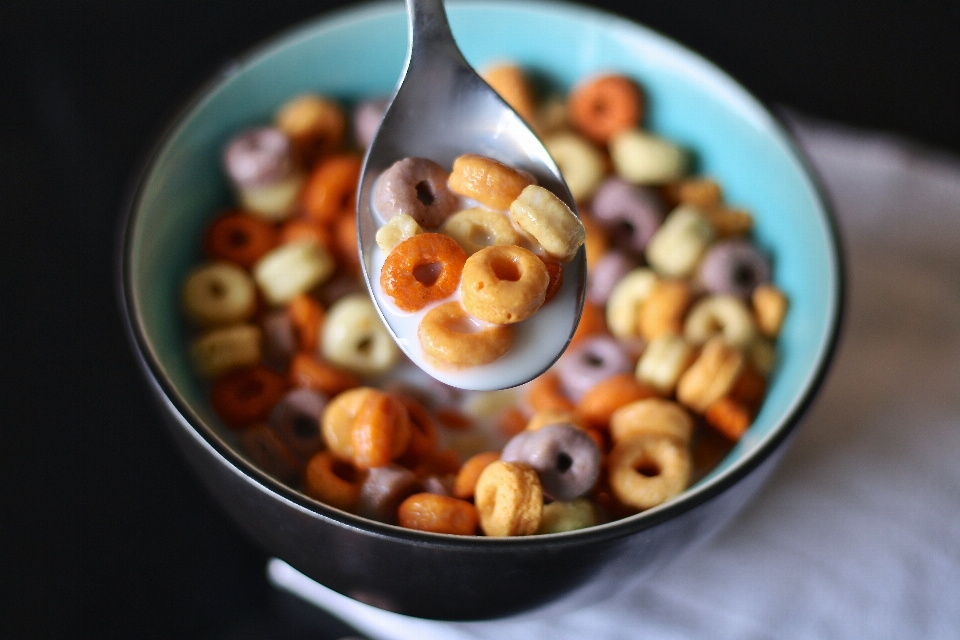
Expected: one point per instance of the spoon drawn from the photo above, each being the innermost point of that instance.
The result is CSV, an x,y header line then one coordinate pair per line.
x,y
441,110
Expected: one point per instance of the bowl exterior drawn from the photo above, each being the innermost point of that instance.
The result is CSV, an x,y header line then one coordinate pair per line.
x,y
735,139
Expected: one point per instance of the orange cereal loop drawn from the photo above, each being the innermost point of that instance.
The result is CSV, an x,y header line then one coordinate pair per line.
x,y
312,373
511,422
438,514
239,237
605,105
423,430
466,479
439,462
331,190
316,126
749,388
503,284
592,322
491,183
345,244
246,396
303,230
333,481
270,453
306,315
729,417
453,419
380,431
337,423
423,269
545,394
596,242
555,275
509,499
511,84
663,312
602,399
450,337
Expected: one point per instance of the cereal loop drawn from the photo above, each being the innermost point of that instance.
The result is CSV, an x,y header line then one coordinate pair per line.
x,y
312,373
711,375
648,470
491,183
476,228
331,190
418,188
338,417
304,230
240,238
550,221
510,82
466,481
306,315
663,311
604,105
600,402
333,481
315,125
380,431
652,416
509,499
546,394
423,269
503,284
729,417
423,430
269,452
555,275
246,396
438,514
448,335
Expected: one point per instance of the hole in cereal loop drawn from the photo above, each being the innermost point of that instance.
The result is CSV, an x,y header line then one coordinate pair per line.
x,y
424,194
428,274
564,462
647,468
506,270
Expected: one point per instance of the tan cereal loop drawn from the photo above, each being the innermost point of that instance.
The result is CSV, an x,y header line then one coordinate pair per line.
x,y
511,83
316,126
722,314
509,499
491,183
663,311
476,228
448,335
503,284
581,164
219,293
551,222
769,309
652,416
710,376
645,471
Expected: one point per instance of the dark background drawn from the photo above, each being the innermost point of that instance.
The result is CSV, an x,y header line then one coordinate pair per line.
x,y
105,533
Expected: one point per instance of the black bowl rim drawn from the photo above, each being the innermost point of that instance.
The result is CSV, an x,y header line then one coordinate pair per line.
x,y
206,436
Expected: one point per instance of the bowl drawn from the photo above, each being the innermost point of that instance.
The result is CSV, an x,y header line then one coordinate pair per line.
x,y
357,53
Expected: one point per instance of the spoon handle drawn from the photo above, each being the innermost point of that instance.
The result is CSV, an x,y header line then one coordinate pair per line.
x,y
430,35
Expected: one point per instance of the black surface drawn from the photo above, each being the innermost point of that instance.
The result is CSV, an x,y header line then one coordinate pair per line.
x,y
105,532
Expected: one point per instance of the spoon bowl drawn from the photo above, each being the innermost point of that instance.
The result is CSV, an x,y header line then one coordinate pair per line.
x,y
442,109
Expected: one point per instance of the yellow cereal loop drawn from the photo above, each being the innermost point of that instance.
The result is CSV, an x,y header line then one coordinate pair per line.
x,y
675,249
652,416
354,337
504,284
626,298
580,163
509,499
227,348
710,376
397,229
663,361
217,294
475,229
645,471
545,217
292,269
724,314
640,157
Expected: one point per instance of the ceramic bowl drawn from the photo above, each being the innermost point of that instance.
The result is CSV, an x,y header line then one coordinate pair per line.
x,y
357,53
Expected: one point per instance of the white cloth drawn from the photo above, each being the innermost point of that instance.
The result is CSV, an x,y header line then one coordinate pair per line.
x,y
857,532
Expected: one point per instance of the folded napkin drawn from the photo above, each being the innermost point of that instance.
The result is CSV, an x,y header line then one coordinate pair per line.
x,y
857,532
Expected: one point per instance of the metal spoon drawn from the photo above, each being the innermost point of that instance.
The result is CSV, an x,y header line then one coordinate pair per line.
x,y
440,110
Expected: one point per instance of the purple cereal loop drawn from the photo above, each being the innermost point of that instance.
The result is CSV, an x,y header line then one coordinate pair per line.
x,y
279,341
734,267
366,120
565,458
418,188
296,419
606,273
587,363
630,214
383,491
258,158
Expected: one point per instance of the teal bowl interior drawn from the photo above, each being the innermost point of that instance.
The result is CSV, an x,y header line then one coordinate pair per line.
x,y
359,53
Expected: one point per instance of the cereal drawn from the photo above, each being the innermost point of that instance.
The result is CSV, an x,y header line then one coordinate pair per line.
x,y
423,430
354,337
246,396
331,190
626,298
599,403
734,267
219,293
291,269
311,373
279,341
710,376
260,164
475,229
306,316
541,419
769,309
303,230
416,187
491,183
566,459
466,481
447,334
589,362
383,490
580,163
664,309
727,222
721,314
703,193
397,229
239,237
675,249
380,431
503,284
554,278
545,217
652,416
269,453
648,470
559,517
511,83
729,417
438,514
509,499
545,394
423,269
640,157
333,481
605,105
221,350
663,362
338,417
315,125
630,214
296,419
